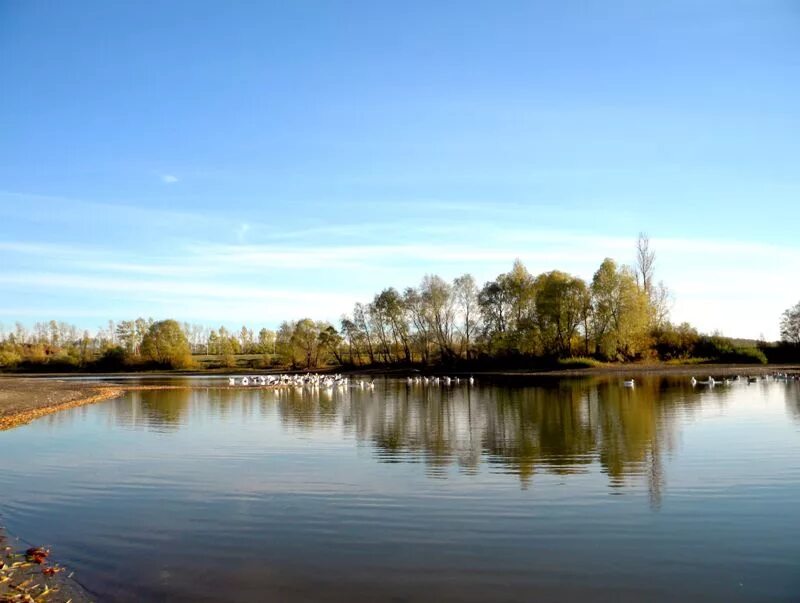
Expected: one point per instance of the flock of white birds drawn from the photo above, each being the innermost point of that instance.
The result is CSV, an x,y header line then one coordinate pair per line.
x,y
331,381
714,381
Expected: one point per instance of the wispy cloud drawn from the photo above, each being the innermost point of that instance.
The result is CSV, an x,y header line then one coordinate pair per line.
x,y
169,178
241,231
215,268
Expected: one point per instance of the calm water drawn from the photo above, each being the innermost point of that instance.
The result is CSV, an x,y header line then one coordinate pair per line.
x,y
570,490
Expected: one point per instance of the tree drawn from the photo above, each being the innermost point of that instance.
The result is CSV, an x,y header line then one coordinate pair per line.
x,y
361,323
437,299
246,340
351,336
266,341
391,307
559,310
165,343
466,295
283,342
790,325
645,263
621,312
227,348
126,336
305,342
658,295
330,340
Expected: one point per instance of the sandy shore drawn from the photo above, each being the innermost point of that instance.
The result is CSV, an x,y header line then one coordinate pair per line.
x,y
26,578
24,399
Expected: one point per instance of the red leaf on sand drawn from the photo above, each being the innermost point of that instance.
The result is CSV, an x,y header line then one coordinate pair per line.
x,y
36,554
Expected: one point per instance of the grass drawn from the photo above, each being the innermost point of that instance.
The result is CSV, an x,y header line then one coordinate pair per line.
x,y
689,361
580,362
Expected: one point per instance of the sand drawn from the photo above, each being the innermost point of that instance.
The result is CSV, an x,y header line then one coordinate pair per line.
x,y
24,399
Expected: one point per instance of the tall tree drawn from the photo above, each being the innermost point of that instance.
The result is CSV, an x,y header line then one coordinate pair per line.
x,y
790,325
361,322
466,295
305,341
422,336
437,297
645,263
559,306
330,340
621,312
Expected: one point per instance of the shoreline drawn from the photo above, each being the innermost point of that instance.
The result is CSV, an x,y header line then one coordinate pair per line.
x,y
24,399
35,577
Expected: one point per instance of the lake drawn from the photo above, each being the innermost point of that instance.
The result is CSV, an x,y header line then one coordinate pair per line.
x,y
559,490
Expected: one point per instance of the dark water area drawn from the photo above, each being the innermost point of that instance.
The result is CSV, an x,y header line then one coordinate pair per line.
x,y
565,490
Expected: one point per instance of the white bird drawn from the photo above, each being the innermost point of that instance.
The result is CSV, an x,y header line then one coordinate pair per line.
x,y
231,380
471,380
245,381
629,383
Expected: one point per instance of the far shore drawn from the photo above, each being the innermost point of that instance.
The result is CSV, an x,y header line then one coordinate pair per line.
x,y
24,398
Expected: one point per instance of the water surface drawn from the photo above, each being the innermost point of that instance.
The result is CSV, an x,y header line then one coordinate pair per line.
x,y
566,490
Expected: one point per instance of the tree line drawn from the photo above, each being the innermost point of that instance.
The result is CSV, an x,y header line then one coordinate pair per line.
x,y
518,318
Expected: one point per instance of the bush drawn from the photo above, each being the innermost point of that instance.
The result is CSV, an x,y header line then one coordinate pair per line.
x,y
673,342
113,359
689,361
62,360
579,363
9,359
782,352
745,356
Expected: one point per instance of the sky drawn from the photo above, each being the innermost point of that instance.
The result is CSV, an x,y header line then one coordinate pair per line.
x,y
251,162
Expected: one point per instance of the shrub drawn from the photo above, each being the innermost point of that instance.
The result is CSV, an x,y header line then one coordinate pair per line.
x,y
9,359
745,355
112,359
579,362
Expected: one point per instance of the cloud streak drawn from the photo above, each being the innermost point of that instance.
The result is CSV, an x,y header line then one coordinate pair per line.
x,y
290,270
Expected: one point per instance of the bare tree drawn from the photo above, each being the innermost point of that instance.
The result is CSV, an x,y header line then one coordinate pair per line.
x,y
645,264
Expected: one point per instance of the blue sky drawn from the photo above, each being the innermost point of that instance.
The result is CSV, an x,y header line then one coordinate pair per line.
x,y
250,162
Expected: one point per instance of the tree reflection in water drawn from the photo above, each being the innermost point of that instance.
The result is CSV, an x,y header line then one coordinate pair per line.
x,y
557,426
